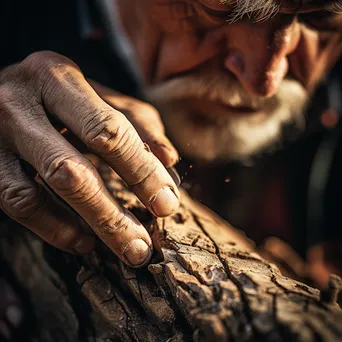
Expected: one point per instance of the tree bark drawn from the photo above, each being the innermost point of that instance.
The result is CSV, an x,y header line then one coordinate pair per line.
x,y
205,283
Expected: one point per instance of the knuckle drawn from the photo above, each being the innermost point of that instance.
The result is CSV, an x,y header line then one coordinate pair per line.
x,y
21,202
7,98
106,135
148,110
145,111
12,93
145,116
144,173
114,226
43,60
32,66
141,108
46,67
33,62
132,105
15,105
69,175
59,69
18,97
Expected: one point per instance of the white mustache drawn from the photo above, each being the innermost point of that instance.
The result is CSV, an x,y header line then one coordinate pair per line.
x,y
215,87
233,136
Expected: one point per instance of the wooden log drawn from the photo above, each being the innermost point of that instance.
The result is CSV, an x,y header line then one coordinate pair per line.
x,y
205,283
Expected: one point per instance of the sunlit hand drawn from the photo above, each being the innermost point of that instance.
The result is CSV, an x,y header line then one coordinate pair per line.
x,y
48,87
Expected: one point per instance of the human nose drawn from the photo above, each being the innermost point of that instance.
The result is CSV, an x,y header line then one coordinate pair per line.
x,y
257,53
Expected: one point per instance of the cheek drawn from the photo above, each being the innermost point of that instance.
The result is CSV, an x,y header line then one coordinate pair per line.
x,y
181,54
313,56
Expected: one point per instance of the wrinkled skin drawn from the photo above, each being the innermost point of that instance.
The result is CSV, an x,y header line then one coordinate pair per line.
x,y
258,71
225,90
47,86
259,54
251,70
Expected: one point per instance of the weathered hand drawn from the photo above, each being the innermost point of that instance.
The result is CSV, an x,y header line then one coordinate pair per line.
x,y
49,86
146,121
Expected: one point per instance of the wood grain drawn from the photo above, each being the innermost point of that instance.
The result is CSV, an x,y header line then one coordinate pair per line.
x,y
205,283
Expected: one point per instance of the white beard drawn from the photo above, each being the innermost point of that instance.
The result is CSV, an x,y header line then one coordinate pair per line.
x,y
229,136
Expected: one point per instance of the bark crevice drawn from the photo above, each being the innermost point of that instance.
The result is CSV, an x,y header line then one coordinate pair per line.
x,y
205,283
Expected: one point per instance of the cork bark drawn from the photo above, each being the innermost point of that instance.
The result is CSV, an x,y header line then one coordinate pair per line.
x,y
205,283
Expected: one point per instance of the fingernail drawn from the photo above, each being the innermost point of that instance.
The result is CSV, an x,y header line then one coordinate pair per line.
x,y
175,175
164,203
14,315
138,253
147,147
85,244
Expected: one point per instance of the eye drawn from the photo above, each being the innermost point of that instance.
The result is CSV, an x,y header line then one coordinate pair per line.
x,y
211,16
322,21
217,14
192,16
181,10
184,10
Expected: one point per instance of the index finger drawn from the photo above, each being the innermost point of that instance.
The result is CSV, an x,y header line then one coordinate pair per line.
x,y
109,134
76,181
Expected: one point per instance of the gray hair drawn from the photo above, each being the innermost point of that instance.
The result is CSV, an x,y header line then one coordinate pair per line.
x,y
334,6
261,10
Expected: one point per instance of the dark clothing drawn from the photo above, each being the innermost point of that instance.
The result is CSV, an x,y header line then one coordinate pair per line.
x,y
68,27
65,26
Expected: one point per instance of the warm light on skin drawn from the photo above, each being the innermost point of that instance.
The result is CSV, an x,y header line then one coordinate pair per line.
x,y
173,39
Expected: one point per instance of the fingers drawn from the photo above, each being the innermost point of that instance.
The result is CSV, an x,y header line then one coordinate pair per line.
x,y
48,82
110,135
76,181
31,205
146,120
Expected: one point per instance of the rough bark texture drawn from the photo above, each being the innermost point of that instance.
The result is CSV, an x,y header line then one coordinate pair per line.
x,y
205,283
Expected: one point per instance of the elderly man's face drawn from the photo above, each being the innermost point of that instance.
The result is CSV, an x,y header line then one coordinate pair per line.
x,y
227,75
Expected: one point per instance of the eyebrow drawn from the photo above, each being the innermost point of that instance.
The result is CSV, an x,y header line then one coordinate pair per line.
x,y
334,6
261,10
